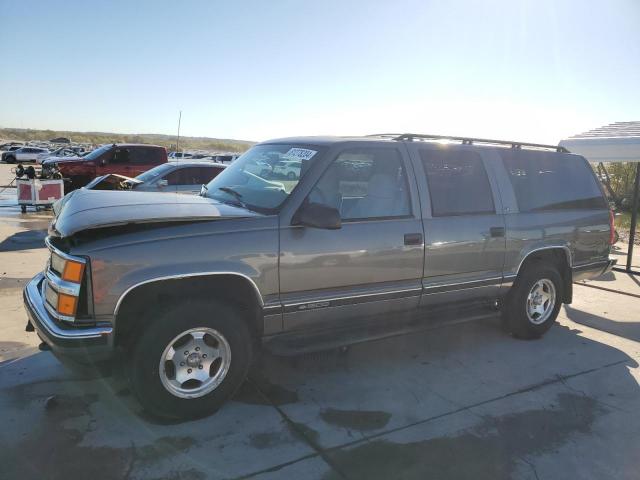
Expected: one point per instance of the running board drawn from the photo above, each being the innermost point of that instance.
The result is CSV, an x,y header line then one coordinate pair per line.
x,y
301,341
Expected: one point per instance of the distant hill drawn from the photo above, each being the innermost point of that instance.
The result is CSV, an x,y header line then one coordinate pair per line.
x,y
169,141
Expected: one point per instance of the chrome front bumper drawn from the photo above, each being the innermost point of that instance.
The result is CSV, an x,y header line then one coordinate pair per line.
x,y
94,342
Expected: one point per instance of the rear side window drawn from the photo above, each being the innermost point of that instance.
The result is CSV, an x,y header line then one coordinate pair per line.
x,y
206,174
145,156
552,181
192,175
458,183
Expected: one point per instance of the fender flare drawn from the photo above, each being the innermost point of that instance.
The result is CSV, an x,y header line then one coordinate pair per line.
x,y
182,276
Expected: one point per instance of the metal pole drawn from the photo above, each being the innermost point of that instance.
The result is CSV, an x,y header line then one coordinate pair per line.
x,y
178,140
634,217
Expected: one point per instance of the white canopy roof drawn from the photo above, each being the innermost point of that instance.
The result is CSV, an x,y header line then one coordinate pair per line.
x,y
617,142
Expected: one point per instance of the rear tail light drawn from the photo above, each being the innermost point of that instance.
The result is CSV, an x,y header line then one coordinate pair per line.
x,y
612,228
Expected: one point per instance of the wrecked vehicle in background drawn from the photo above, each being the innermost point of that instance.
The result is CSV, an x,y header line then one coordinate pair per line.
x,y
370,237
123,159
171,177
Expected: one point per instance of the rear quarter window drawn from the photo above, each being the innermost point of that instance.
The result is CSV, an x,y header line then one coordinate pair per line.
x,y
146,156
546,181
458,183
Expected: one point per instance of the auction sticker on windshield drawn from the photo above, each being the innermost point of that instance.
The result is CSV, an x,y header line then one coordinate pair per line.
x,y
300,154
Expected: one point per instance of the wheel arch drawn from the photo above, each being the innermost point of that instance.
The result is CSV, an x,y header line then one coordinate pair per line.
x,y
559,255
132,309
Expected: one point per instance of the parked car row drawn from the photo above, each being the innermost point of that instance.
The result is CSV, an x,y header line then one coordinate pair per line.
x,y
23,154
124,159
62,152
122,166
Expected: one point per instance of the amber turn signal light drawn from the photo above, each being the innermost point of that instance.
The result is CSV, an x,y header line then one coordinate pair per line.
x,y
67,304
73,271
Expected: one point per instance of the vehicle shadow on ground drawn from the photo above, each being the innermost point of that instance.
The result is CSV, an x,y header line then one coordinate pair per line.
x,y
628,330
25,240
94,428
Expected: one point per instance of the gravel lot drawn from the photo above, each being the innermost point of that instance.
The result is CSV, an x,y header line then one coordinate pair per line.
x,y
463,401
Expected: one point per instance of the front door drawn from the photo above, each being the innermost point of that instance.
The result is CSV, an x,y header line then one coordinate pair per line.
x,y
464,231
372,265
116,160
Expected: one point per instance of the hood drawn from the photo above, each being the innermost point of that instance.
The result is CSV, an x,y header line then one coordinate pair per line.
x,y
52,160
87,209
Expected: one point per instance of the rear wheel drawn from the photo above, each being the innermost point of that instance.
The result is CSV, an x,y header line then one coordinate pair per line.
x,y
534,302
190,359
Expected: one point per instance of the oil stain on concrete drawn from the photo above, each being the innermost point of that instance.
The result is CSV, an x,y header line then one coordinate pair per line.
x,y
55,450
490,451
259,391
361,420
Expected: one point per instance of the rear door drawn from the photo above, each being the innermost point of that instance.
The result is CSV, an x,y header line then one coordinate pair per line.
x,y
463,223
142,159
24,154
373,263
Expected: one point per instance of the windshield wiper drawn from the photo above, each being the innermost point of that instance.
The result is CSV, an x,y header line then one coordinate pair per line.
x,y
233,193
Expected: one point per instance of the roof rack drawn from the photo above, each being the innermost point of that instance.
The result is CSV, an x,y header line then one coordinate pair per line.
x,y
410,137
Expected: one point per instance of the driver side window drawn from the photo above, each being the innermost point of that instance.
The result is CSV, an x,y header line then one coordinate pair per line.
x,y
121,155
365,184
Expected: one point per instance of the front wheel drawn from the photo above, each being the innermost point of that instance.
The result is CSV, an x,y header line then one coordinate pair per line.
x,y
190,359
534,302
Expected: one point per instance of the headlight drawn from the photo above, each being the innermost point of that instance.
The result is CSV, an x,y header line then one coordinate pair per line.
x,y
69,270
63,285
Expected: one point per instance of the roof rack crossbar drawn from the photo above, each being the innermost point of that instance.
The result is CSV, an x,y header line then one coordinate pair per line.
x,y
470,141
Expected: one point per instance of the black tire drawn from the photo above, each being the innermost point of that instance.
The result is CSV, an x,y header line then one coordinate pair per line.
x,y
23,208
10,159
515,318
291,176
144,359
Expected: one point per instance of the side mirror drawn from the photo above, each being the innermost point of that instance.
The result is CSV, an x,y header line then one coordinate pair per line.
x,y
162,183
316,215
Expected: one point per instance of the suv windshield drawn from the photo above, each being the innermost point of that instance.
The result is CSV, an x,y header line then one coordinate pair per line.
x,y
97,152
257,181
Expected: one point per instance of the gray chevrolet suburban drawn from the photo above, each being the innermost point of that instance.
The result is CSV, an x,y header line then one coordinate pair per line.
x,y
371,236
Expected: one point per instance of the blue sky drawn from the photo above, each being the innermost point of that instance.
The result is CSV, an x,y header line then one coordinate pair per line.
x,y
535,70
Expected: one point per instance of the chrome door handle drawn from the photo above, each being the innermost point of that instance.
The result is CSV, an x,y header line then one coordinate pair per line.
x,y
413,239
496,231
